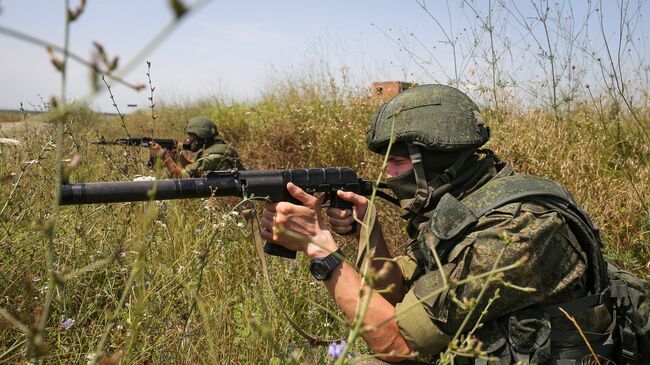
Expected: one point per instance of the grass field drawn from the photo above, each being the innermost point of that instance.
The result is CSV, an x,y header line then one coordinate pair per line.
x,y
179,281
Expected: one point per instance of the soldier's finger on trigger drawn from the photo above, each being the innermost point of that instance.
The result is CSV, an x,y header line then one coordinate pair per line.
x,y
266,222
341,222
266,235
331,212
270,206
268,214
338,213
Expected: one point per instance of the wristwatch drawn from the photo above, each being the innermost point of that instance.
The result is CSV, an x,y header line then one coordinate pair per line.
x,y
322,268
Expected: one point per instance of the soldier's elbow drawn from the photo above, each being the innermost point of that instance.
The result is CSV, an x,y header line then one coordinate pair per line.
x,y
389,344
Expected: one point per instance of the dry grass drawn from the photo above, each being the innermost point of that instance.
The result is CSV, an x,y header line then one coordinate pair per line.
x,y
611,182
297,126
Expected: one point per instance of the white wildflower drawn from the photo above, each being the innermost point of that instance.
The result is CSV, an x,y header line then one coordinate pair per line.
x,y
144,178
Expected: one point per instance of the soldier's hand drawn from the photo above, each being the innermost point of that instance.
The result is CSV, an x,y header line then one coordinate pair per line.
x,y
157,149
172,153
298,227
341,220
185,157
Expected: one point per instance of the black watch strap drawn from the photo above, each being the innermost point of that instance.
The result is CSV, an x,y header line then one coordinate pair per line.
x,y
322,268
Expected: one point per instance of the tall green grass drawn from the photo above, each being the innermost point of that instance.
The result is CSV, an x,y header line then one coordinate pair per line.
x,y
179,281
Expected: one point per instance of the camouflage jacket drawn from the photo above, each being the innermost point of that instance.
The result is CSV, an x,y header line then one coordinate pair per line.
x,y
216,157
555,267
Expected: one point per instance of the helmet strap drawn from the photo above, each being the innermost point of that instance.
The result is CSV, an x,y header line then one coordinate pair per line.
x,y
425,190
422,191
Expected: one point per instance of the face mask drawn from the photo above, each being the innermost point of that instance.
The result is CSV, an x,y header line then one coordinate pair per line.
x,y
404,187
195,146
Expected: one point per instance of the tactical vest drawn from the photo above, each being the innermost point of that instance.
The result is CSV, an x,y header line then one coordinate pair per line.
x,y
222,148
529,337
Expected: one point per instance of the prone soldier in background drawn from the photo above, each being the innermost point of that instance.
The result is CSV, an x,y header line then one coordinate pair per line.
x,y
212,152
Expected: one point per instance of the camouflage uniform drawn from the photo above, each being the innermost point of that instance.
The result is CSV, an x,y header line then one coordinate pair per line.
x,y
556,267
562,265
216,157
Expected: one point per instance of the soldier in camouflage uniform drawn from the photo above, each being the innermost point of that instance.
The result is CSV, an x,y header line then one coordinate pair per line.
x,y
465,204
212,152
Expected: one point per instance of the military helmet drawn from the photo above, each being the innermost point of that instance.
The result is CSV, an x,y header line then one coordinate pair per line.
x,y
202,127
436,117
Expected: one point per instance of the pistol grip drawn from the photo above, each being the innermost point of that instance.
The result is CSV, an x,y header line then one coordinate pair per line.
x,y
337,202
277,250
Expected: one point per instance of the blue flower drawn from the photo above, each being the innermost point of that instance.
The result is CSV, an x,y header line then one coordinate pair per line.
x,y
336,349
67,323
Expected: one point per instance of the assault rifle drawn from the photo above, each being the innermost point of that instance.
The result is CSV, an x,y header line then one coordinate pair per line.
x,y
269,184
166,143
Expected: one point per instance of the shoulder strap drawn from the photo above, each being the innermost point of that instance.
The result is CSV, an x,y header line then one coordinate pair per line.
x,y
451,216
219,146
253,223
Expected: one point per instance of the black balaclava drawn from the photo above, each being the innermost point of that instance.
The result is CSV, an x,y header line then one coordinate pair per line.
x,y
455,172
197,144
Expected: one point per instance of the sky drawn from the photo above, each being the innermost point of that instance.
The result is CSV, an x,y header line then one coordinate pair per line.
x,y
232,49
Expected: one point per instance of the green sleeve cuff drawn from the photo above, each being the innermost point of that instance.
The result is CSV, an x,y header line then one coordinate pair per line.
x,y
408,267
417,327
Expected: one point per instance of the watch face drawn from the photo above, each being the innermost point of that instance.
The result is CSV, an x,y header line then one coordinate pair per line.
x,y
320,270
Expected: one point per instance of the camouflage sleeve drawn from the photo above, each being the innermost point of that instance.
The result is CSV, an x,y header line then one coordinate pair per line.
x,y
219,161
192,170
211,162
555,268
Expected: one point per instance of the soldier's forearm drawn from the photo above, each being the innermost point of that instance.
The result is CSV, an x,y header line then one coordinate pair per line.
x,y
390,276
382,334
174,170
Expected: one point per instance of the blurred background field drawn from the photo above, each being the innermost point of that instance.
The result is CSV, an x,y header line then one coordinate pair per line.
x,y
180,282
